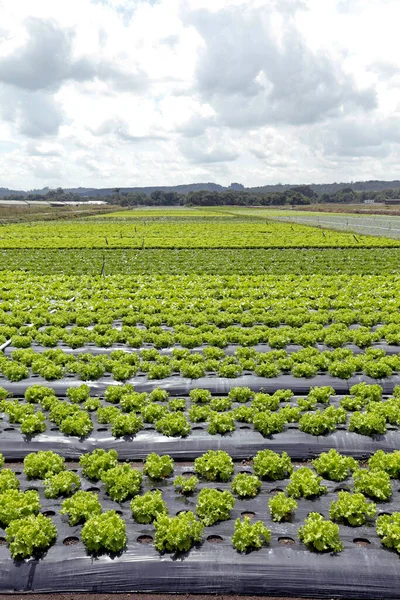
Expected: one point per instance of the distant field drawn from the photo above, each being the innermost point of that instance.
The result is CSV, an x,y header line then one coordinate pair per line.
x,y
166,211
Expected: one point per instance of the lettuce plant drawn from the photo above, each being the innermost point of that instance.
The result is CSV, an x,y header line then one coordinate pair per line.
x,y
367,423
157,466
386,461
240,394
39,465
33,424
281,507
122,482
78,394
334,466
221,423
271,465
17,505
185,485
352,509
79,424
62,484
177,534
305,484
104,533
126,424
81,507
319,534
8,480
146,508
213,505
250,536
375,484
173,425
95,463
214,465
35,393
246,485
268,422
31,535
388,529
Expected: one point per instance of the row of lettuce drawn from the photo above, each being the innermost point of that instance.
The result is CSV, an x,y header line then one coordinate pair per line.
x,y
29,532
127,412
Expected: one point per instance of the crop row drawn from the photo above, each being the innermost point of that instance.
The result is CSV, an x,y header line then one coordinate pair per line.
x,y
224,232
126,411
29,532
354,261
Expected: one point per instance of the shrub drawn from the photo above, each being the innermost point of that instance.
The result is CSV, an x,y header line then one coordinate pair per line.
x,y
268,423
319,534
248,536
213,505
39,465
105,532
367,423
62,484
388,529
271,465
352,509
95,463
146,508
334,466
158,467
245,485
31,535
177,534
122,482
214,465
375,484
282,507
81,507
17,505
305,484
173,424
185,485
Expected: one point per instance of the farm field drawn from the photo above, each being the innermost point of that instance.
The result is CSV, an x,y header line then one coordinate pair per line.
x,y
192,401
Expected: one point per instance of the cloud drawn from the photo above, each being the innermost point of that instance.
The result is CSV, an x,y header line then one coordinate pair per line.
x,y
255,68
35,114
208,149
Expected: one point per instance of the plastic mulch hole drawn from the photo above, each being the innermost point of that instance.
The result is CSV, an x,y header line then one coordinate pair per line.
x,y
9,428
342,488
54,429
144,539
276,490
32,489
245,472
71,541
286,541
93,489
102,429
361,542
244,427
188,473
119,512
197,428
150,428
2,541
248,514
17,472
48,513
215,539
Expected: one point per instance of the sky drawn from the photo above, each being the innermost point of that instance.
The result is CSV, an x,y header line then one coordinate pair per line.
x,y
119,93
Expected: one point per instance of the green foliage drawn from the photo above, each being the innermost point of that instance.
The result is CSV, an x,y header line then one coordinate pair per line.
x,y
17,505
177,404
157,466
185,484
388,529
221,423
107,414
246,485
134,402
30,536
282,507
214,465
79,424
62,484
81,507
271,465
173,424
92,404
177,534
250,536
213,505
243,414
153,412
146,508
321,394
333,465
17,412
265,403
126,424
39,465
386,461
33,424
37,392
158,395
305,484
78,394
115,393
375,484
367,423
319,534
199,413
321,423
122,482
95,463
199,395
8,480
370,392
220,404
104,533
352,509
240,394
268,423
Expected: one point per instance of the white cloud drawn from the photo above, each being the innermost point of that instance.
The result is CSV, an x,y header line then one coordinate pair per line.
x,y
109,93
